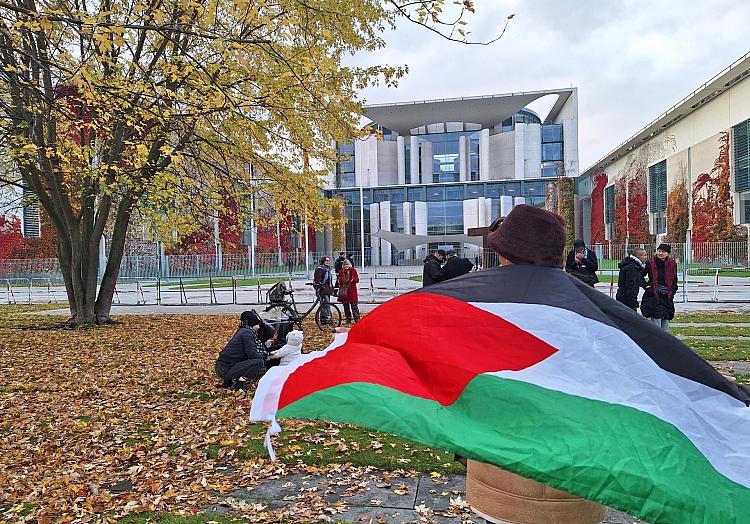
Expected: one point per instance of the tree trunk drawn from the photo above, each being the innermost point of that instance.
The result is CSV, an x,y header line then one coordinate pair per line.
x,y
111,272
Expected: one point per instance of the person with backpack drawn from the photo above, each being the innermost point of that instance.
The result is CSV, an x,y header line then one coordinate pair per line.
x,y
347,280
323,284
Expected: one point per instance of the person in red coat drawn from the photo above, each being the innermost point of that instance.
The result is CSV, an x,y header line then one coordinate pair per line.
x,y
347,280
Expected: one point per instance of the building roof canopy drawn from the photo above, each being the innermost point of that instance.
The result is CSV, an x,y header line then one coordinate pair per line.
x,y
487,111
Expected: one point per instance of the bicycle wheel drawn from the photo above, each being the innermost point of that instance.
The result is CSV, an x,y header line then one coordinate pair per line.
x,y
332,323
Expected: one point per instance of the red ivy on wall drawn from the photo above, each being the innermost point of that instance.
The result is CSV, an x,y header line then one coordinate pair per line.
x,y
712,204
621,206
638,208
14,245
597,208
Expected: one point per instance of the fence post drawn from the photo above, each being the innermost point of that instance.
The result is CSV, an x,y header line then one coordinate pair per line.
x,y
684,284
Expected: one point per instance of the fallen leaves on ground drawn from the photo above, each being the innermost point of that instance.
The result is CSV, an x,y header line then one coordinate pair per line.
x,y
122,418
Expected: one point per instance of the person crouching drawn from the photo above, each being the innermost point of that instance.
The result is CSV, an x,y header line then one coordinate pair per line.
x,y
243,357
291,350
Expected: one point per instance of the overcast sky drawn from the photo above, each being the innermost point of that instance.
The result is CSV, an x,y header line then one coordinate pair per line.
x,y
630,59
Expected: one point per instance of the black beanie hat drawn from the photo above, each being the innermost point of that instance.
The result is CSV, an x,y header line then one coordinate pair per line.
x,y
251,318
530,236
664,247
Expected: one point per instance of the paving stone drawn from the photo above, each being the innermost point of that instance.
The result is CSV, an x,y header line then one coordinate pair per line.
x,y
372,515
216,508
123,486
436,493
618,517
377,489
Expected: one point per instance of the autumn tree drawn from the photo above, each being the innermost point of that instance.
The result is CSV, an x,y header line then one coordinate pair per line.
x,y
170,108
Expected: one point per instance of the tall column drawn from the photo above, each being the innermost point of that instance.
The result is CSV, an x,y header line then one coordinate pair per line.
x,y
484,154
407,225
374,241
420,226
519,200
533,167
401,159
372,161
360,164
385,225
488,218
506,204
519,151
462,158
426,162
472,210
414,159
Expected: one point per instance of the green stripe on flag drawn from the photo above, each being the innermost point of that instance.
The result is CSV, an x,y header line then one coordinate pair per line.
x,y
619,456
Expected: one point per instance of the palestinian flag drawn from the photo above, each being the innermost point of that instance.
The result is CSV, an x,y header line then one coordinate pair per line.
x,y
531,370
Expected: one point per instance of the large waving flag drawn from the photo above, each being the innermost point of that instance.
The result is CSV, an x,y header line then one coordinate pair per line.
x,y
528,369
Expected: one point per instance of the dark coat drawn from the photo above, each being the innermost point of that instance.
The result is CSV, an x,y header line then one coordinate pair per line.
x,y
585,270
347,281
242,346
432,273
323,280
630,282
337,264
456,266
664,274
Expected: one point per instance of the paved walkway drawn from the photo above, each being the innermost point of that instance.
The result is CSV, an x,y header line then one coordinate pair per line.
x,y
377,497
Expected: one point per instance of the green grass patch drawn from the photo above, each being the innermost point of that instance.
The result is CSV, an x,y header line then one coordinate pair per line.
x,y
416,278
218,282
320,444
13,309
743,379
721,331
720,349
169,518
727,318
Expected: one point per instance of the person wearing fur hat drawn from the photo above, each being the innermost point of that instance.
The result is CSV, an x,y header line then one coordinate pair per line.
x,y
243,357
657,303
291,350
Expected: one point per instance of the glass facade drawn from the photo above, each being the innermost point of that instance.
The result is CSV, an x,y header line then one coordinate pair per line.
x,y
524,116
345,166
444,202
446,156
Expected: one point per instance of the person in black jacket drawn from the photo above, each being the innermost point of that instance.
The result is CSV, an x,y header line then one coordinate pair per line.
x,y
582,263
456,266
339,261
631,278
244,356
432,272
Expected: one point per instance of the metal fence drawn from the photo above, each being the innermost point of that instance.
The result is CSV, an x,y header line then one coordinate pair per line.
x,y
708,271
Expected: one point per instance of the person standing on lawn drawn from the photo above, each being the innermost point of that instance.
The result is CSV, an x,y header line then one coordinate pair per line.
x,y
657,303
243,357
631,278
347,280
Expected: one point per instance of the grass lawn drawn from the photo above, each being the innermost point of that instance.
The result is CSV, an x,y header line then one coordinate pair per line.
x,y
137,401
722,317
743,379
721,331
416,278
720,349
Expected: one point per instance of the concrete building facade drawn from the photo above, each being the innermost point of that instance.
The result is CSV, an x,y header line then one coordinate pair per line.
x,y
683,178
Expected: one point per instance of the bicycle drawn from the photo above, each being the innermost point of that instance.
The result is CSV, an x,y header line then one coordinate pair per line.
x,y
289,309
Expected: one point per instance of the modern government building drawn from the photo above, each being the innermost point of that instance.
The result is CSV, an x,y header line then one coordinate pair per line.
x,y
430,170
